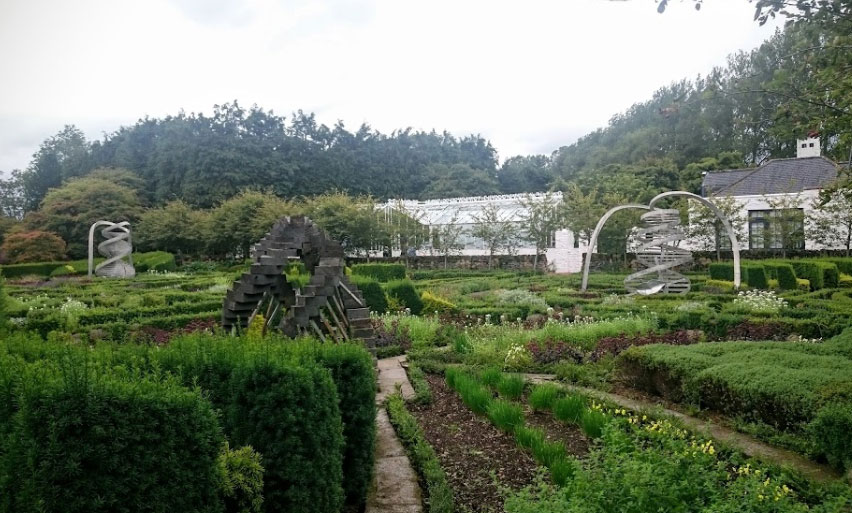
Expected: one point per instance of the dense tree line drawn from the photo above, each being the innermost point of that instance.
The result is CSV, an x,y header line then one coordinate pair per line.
x,y
740,114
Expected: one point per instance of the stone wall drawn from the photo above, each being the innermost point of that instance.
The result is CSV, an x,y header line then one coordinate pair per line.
x,y
475,262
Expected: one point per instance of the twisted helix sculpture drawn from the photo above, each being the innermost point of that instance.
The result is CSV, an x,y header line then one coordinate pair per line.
x,y
115,249
657,248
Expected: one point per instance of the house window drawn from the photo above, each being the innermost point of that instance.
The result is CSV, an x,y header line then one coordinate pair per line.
x,y
776,229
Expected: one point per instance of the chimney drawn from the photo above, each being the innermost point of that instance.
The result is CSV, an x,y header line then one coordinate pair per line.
x,y
808,147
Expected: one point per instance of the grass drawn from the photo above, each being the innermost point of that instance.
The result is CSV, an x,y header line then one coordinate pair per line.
x,y
491,376
592,422
570,409
506,415
543,397
510,386
474,395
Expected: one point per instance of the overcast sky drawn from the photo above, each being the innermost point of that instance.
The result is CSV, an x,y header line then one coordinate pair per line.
x,y
528,75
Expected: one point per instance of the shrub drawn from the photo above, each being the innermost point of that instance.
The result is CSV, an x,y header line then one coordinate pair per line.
x,y
803,284
521,298
380,272
510,386
755,276
543,396
160,261
405,292
84,443
422,456
722,271
784,273
373,294
33,246
242,480
830,274
570,409
505,415
592,423
718,287
844,281
433,303
810,271
832,430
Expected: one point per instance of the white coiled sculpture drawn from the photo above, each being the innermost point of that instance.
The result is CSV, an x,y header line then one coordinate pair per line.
x,y
656,246
116,248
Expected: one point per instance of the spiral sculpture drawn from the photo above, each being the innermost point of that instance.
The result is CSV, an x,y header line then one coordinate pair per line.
x,y
657,249
656,246
117,249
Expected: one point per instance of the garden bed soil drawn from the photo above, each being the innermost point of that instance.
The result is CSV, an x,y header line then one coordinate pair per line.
x,y
477,457
555,430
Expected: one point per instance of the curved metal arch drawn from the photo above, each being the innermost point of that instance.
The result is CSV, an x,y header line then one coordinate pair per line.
x,y
735,246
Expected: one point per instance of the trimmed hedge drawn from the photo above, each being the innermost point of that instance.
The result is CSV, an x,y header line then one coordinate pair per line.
x,y
80,440
810,271
380,272
433,303
784,273
373,293
754,275
142,262
404,291
154,261
722,271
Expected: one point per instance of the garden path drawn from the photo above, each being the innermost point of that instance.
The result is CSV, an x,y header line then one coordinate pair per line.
x,y
395,488
742,442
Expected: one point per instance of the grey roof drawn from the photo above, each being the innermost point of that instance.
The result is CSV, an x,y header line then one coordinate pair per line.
x,y
773,177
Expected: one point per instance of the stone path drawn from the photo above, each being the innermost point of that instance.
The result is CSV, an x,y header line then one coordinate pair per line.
x,y
395,488
739,441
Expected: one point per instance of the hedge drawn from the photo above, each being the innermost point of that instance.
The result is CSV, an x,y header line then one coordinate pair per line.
x,y
285,409
142,262
809,270
80,440
404,291
380,272
373,293
433,303
784,273
722,271
755,276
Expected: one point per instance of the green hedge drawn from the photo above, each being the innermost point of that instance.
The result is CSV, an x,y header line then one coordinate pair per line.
x,y
722,271
404,291
286,410
754,275
380,272
142,262
373,293
76,440
784,273
810,271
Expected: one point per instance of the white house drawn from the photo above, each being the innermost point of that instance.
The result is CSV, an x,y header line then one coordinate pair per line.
x,y
565,253
778,189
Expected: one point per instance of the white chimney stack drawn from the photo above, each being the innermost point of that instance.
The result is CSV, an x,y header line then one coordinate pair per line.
x,y
808,147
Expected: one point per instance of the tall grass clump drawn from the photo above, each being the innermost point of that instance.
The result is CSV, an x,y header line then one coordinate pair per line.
x,y
491,376
570,409
592,423
548,453
543,397
528,437
474,395
510,386
506,415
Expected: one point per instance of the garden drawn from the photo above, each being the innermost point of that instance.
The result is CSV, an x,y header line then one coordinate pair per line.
x,y
126,395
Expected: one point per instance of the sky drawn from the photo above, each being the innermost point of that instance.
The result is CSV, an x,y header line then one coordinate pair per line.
x,y
530,76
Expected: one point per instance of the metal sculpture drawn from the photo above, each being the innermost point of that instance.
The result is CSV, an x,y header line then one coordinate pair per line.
x,y
656,244
117,249
330,306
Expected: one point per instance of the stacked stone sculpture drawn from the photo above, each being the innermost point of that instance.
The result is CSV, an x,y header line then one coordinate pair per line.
x,y
117,249
330,306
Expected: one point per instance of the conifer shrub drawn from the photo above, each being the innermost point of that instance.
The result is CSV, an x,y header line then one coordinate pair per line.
x,y
406,294
374,294
76,440
380,272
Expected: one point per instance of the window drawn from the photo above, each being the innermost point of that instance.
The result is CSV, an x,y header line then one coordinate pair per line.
x,y
804,145
776,229
811,145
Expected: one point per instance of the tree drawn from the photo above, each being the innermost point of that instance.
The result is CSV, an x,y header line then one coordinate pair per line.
x,y
831,224
59,158
405,228
175,228
495,230
525,174
540,221
446,238
33,246
581,212
12,196
236,224
70,210
708,232
458,180
352,221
